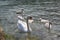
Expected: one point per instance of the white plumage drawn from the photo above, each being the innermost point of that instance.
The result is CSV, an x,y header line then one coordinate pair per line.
x,y
47,23
22,25
43,20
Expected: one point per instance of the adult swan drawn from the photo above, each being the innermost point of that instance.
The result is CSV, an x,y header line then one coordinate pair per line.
x,y
22,25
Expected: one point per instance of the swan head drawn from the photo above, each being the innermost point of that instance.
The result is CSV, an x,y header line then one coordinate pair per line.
x,y
30,19
20,12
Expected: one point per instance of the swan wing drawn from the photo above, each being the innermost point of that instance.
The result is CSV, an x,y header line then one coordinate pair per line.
x,y
47,25
22,25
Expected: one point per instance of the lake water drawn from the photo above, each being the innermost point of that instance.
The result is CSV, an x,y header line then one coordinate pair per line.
x,y
46,10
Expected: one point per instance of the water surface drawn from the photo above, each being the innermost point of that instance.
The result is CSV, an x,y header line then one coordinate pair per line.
x,y
46,10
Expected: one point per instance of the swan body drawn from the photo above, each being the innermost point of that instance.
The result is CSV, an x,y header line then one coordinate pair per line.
x,y
22,26
43,20
48,25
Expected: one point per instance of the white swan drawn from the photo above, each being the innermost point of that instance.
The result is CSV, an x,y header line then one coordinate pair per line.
x,y
20,12
47,24
22,25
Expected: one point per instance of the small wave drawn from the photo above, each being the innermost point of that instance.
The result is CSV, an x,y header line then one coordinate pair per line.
x,y
4,3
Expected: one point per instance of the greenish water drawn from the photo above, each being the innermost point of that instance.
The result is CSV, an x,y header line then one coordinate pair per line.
x,y
47,10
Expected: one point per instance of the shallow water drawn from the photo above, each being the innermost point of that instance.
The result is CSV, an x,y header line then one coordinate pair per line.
x,y
46,10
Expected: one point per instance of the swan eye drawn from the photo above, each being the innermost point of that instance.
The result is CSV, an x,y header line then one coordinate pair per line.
x,y
30,21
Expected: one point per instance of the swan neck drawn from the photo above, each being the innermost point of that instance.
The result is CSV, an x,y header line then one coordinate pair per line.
x,y
27,25
49,25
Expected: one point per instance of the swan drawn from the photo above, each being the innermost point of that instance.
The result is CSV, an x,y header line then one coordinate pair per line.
x,y
22,25
20,12
47,23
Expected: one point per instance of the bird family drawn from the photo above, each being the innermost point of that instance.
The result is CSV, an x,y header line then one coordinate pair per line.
x,y
23,26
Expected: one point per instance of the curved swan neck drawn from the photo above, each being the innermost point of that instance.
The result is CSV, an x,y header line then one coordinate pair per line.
x,y
27,25
50,26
